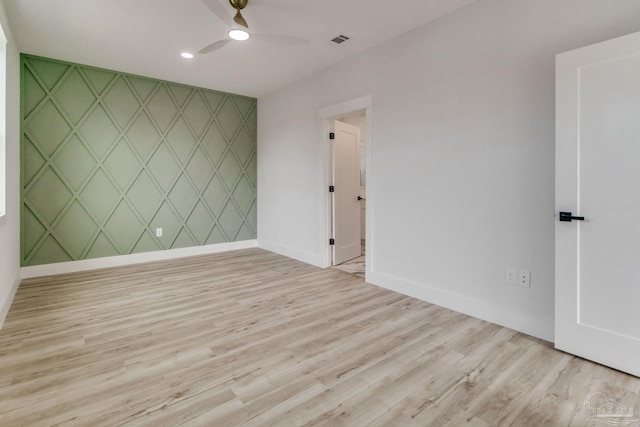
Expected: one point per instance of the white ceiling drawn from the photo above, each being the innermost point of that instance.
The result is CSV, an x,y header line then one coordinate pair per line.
x,y
146,37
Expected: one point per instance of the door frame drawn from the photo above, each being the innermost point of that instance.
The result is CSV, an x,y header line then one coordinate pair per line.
x,y
326,116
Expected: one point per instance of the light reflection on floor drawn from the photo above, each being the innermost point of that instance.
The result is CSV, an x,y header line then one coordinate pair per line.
x,y
354,266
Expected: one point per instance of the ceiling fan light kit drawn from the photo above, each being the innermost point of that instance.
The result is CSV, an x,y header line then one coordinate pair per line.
x,y
241,34
238,34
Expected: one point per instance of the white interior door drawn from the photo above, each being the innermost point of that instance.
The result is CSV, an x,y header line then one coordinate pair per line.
x,y
598,177
346,182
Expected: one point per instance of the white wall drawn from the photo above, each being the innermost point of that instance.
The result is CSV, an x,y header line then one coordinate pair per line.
x,y
10,224
462,154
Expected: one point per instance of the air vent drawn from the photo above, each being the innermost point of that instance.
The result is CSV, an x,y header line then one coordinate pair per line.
x,y
340,39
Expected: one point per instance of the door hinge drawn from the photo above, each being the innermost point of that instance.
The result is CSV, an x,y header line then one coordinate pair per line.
x,y
332,135
332,189
332,242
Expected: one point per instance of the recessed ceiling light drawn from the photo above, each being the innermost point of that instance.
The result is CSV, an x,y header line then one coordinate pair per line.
x,y
187,55
239,35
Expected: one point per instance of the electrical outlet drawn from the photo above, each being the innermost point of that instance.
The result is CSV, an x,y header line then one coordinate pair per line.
x,y
510,276
524,278
158,232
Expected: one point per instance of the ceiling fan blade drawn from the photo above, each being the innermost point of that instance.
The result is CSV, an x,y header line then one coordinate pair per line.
x,y
281,39
214,46
219,10
239,19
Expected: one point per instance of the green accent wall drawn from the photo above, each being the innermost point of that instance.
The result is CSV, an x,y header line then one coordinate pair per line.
x,y
108,157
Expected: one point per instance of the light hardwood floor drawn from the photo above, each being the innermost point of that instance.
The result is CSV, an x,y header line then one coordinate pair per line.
x,y
253,338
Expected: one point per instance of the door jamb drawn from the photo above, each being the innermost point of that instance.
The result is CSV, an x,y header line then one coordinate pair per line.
x,y
325,118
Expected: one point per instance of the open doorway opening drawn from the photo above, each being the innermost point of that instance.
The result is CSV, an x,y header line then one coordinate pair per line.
x,y
348,172
358,110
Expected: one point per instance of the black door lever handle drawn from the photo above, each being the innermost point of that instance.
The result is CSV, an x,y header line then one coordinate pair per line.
x,y
568,217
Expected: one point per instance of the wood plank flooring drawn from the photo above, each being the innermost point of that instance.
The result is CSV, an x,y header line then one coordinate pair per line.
x,y
251,338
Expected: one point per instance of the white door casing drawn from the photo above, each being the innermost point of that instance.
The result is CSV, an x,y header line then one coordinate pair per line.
x,y
597,279
346,181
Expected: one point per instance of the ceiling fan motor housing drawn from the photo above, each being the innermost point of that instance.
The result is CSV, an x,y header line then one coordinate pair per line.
x,y
238,4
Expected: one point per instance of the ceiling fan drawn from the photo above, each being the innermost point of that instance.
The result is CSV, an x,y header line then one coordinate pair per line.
x,y
238,27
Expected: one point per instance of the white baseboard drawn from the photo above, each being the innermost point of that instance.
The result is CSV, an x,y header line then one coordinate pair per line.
x,y
503,316
306,257
6,300
120,260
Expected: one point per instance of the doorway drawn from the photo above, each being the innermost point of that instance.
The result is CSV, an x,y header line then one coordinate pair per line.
x,y
348,167
359,110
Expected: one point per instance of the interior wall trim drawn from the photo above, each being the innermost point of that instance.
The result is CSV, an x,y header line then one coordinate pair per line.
x,y
5,303
109,158
122,260
302,256
485,310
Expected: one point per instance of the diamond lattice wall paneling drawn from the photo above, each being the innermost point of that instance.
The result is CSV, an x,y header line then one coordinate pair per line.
x,y
109,157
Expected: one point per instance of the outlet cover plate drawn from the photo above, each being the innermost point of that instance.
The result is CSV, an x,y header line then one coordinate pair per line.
x,y
524,278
